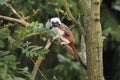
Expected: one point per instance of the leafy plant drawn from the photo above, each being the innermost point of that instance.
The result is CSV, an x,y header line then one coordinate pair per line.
x,y
33,50
8,67
67,69
4,34
2,2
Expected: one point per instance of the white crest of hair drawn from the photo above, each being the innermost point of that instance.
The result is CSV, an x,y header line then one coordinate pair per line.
x,y
56,19
59,31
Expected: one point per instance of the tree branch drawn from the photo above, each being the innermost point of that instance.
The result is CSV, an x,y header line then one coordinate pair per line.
x,y
69,12
14,11
20,20
77,23
24,23
38,62
39,70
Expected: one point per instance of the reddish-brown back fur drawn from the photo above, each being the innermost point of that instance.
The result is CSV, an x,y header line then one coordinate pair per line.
x,y
69,36
74,50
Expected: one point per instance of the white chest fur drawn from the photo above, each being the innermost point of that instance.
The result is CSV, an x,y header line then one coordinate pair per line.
x,y
59,31
60,35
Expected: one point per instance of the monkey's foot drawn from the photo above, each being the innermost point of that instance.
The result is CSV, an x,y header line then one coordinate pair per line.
x,y
63,43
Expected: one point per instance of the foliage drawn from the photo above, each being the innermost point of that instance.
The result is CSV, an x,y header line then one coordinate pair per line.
x,y
117,3
4,33
111,26
16,39
68,68
65,70
3,2
8,67
32,51
18,42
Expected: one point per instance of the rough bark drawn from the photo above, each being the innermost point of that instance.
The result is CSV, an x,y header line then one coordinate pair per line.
x,y
94,42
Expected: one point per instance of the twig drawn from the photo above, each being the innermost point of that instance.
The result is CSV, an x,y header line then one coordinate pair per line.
x,y
68,48
14,11
76,22
38,62
28,35
24,23
39,70
69,12
20,20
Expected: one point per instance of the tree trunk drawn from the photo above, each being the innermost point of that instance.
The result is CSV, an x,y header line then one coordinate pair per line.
x,y
94,42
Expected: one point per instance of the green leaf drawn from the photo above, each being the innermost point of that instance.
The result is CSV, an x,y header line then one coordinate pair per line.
x,y
47,25
25,69
52,32
4,76
4,33
2,2
2,44
41,25
59,10
19,78
39,28
27,54
62,58
36,55
42,53
35,48
24,50
10,58
31,54
3,53
3,68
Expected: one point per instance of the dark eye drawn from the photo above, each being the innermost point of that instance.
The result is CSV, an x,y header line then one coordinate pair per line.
x,y
53,22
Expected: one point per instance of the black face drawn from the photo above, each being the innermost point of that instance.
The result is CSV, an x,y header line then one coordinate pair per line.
x,y
55,24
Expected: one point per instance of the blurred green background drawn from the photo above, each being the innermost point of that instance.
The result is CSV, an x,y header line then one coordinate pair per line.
x,y
19,44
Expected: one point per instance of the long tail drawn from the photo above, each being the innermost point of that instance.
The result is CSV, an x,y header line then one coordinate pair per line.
x,y
77,56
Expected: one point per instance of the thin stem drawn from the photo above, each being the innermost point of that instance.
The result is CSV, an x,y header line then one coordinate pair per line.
x,y
24,23
14,11
69,12
39,70
38,62
75,21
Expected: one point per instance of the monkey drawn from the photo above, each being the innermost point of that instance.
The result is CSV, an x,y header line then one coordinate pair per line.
x,y
65,34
